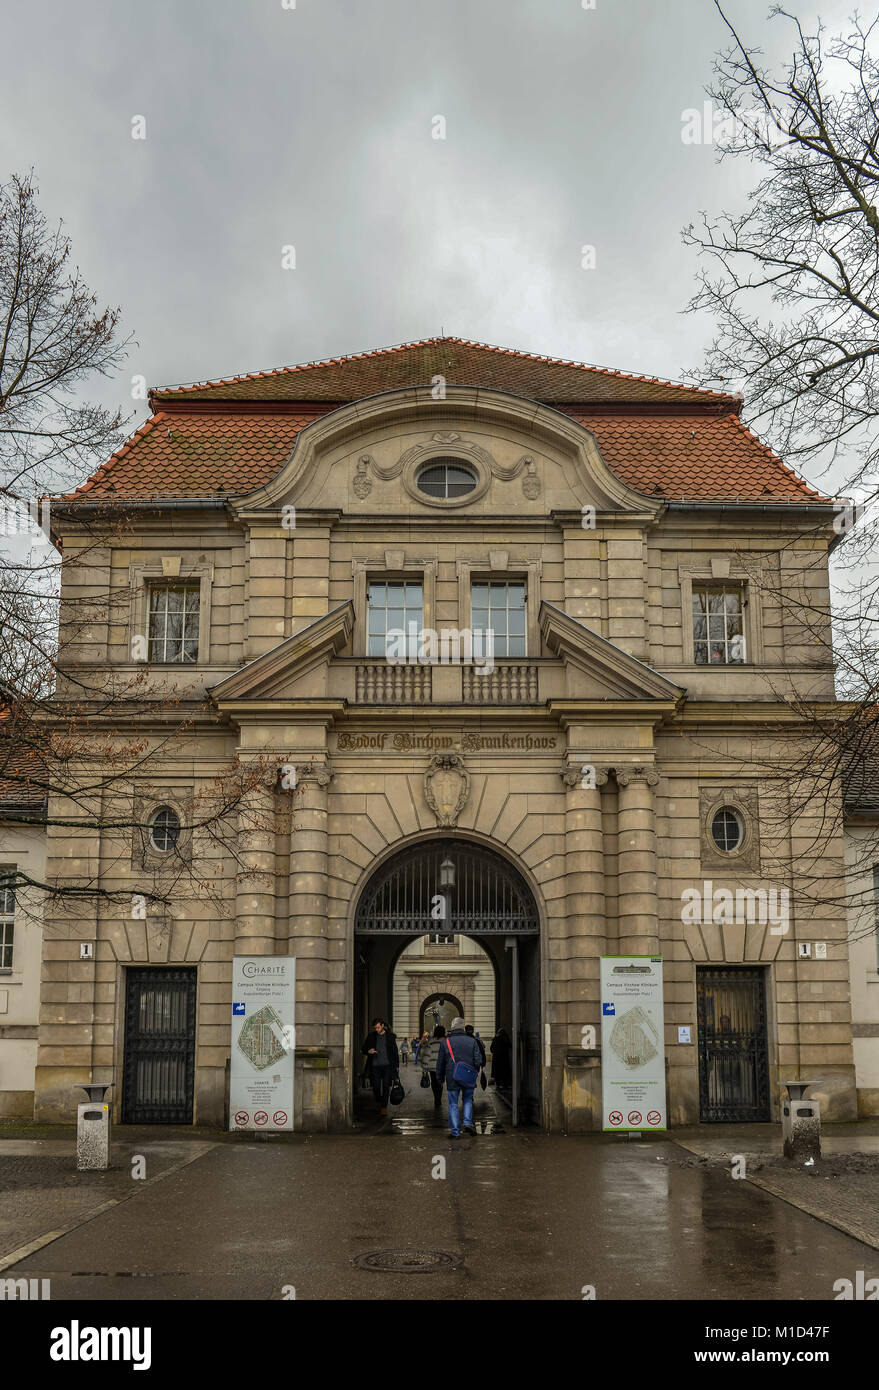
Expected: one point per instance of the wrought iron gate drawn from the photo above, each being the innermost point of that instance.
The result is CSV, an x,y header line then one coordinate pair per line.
x,y
159,1065
733,1064
479,893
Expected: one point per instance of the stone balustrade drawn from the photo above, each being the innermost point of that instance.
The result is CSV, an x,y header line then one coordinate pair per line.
x,y
381,683
505,685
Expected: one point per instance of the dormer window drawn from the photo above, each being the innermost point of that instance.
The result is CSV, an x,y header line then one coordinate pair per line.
x,y
446,479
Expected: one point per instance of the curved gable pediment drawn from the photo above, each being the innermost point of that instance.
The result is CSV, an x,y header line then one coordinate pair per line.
x,y
364,458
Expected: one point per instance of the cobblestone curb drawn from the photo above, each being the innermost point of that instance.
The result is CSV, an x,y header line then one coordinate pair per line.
x,y
786,1188
30,1247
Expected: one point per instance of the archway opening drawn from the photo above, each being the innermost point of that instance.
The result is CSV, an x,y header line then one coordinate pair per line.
x,y
467,904
437,1010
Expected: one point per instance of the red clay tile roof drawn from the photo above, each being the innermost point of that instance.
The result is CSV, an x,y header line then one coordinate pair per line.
x,y
462,363
201,454
23,775
664,440
708,457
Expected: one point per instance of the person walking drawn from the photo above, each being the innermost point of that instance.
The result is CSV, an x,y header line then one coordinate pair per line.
x,y
476,1038
501,1049
382,1061
471,1033
404,1052
459,1051
429,1057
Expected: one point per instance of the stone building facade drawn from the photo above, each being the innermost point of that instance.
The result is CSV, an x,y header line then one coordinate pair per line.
x,y
454,974
861,802
639,557
22,868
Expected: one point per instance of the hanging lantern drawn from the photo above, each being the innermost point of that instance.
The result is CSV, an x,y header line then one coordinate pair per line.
x,y
447,874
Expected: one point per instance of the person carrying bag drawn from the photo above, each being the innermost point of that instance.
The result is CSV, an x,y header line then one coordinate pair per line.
x,y
382,1062
429,1056
458,1064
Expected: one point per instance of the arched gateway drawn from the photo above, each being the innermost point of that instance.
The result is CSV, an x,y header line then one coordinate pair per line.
x,y
454,887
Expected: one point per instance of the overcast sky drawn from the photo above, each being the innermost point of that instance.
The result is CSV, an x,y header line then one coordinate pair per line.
x,y
313,127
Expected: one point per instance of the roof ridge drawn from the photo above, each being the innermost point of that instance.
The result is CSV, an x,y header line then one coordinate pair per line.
x,y
183,388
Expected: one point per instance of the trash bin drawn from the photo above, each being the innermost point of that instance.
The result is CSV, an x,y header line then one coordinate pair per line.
x,y
93,1128
800,1123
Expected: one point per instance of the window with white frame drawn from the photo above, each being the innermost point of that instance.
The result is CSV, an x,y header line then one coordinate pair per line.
x,y
173,622
7,917
394,605
718,624
499,607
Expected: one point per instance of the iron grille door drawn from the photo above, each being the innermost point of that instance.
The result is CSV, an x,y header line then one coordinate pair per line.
x,y
733,1065
483,894
159,1067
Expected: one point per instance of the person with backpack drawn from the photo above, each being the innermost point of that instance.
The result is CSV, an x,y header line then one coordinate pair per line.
x,y
458,1064
429,1057
382,1061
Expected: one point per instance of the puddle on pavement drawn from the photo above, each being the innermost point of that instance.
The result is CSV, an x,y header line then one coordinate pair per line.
x,y
417,1126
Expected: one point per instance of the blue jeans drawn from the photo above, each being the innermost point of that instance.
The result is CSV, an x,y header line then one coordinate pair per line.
x,y
467,1093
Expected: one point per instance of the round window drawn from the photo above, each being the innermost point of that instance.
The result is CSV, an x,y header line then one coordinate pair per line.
x,y
727,830
446,478
164,830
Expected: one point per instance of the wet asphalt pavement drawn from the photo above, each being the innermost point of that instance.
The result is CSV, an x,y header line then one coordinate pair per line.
x,y
519,1214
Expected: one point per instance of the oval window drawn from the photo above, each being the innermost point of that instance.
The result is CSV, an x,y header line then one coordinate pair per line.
x,y
446,478
164,830
727,830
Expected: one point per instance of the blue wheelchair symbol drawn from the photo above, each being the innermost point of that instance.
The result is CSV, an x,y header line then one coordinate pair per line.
x,y
608,1009
238,1008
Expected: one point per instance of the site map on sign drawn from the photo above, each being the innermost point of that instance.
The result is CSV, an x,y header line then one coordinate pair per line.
x,y
633,1036
258,1040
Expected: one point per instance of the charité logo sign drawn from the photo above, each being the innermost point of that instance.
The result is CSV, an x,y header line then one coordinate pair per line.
x,y
411,742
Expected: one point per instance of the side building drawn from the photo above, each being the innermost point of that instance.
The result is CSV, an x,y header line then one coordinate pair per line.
x,y
862,890
22,865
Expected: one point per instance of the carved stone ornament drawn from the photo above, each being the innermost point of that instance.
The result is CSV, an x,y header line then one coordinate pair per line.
x,y
318,772
446,787
362,480
584,775
484,463
635,773
530,482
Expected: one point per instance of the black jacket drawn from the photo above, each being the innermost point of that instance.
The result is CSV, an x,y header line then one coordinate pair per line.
x,y
393,1053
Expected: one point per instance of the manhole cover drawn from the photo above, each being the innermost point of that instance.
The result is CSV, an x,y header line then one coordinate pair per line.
x,y
407,1261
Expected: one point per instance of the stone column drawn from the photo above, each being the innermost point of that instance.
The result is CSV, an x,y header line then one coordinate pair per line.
x,y
255,891
307,898
636,861
580,985
584,854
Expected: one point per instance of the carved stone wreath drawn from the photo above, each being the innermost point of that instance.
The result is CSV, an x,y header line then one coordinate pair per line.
x,y
446,787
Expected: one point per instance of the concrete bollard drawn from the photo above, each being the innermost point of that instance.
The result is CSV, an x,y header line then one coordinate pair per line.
x,y
93,1129
800,1123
